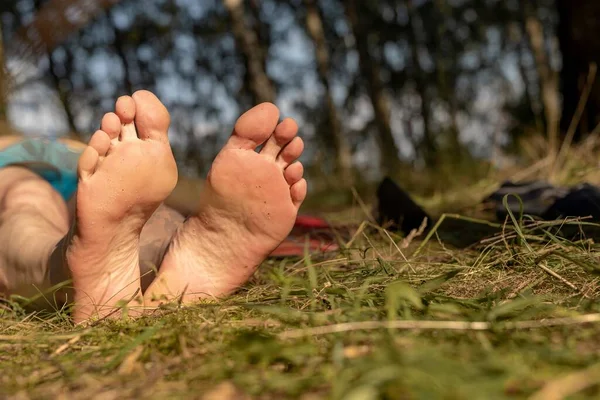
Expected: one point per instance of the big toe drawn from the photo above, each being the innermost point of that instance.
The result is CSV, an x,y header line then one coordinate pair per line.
x,y
152,118
254,127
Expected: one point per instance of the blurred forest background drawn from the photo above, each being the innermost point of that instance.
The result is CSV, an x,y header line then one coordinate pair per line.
x,y
377,86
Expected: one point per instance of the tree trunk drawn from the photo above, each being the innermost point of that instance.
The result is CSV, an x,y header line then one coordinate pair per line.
x,y
548,79
120,40
63,96
428,144
248,43
580,46
447,81
523,50
343,153
369,70
262,31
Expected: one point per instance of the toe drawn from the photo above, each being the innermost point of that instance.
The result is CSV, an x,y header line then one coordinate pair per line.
x,y
284,133
254,127
152,118
291,152
298,192
87,162
126,111
294,173
111,124
100,141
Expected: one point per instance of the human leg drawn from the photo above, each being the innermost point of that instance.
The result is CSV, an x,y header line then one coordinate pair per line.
x,y
26,276
155,238
33,219
125,173
248,206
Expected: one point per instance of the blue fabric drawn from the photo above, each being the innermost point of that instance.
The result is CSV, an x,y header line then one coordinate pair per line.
x,y
52,160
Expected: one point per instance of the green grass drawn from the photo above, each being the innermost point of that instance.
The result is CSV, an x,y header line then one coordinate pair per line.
x,y
382,318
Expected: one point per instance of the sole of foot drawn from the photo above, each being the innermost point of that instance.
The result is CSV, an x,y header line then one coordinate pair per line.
x,y
125,173
248,207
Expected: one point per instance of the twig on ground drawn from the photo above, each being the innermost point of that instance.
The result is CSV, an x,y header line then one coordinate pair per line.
x,y
414,234
399,250
543,266
439,325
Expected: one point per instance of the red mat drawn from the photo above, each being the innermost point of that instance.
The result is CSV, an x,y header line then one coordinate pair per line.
x,y
309,231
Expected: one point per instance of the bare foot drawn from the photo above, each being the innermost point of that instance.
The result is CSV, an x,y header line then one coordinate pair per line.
x,y
126,171
248,207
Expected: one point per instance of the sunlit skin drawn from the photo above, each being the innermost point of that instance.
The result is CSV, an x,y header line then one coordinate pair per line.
x,y
248,206
124,174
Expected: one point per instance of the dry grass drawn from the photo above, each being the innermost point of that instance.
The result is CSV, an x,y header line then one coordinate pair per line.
x,y
374,320
516,316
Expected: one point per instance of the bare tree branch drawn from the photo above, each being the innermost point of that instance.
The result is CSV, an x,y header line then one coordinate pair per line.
x,y
54,23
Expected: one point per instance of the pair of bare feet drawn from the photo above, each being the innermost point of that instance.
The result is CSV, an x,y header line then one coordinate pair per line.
x,y
248,207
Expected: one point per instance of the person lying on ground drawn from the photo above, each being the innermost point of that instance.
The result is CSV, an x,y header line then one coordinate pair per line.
x,y
103,230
